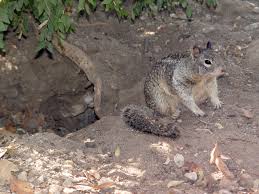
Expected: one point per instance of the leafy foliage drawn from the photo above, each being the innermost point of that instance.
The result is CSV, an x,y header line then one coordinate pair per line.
x,y
53,16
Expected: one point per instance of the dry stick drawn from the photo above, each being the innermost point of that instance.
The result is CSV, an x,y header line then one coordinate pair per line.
x,y
80,58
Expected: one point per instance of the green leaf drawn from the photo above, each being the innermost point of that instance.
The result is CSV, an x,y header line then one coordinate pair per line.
x,y
212,3
81,5
41,45
4,15
189,12
93,3
153,7
87,9
50,47
3,27
1,40
19,5
184,3
25,25
159,4
106,2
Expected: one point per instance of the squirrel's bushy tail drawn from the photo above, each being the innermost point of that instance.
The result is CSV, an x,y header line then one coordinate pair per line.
x,y
143,119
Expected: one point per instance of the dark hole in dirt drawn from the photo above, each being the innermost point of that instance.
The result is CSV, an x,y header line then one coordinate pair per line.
x,y
42,92
69,112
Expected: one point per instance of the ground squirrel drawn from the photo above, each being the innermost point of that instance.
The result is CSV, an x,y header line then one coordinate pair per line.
x,y
187,79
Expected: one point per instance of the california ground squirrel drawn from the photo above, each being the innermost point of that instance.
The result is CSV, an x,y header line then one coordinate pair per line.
x,y
187,79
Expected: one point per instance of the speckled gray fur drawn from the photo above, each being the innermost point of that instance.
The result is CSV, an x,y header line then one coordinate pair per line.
x,y
170,82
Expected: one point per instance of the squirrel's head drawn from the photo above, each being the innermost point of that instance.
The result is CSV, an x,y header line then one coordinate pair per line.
x,y
205,58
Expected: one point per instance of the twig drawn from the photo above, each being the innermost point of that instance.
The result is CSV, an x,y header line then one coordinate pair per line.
x,y
204,122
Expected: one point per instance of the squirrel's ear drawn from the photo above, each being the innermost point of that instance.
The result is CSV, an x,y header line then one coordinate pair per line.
x,y
209,46
196,51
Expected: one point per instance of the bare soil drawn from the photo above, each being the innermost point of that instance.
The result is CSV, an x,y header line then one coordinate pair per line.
x,y
138,162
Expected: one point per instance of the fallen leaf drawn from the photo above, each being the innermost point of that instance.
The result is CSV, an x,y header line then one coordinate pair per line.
x,y
82,187
217,175
214,154
248,114
224,157
2,151
6,167
20,187
174,183
219,126
103,186
256,185
179,160
92,174
10,127
117,151
223,168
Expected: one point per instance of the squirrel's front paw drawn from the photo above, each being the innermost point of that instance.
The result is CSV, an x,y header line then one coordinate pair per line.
x,y
217,103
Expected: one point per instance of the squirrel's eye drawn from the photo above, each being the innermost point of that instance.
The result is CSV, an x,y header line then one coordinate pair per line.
x,y
207,62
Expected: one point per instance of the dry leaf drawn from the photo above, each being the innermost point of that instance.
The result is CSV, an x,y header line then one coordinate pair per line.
x,y
217,175
82,187
219,126
93,174
20,187
256,185
10,127
174,183
214,154
224,157
6,169
248,114
117,151
103,186
2,152
223,168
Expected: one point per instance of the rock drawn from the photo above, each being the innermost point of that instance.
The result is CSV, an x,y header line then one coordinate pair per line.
x,y
157,49
20,131
55,189
40,180
251,27
22,176
67,183
208,29
246,181
6,167
256,10
227,184
179,160
224,191
191,176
